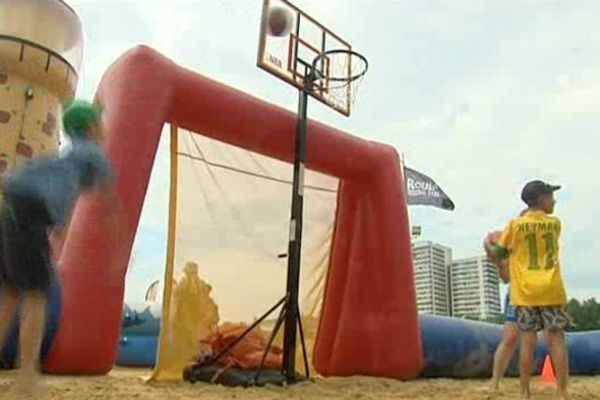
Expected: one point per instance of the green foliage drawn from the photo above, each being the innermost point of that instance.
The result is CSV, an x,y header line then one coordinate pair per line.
x,y
499,320
585,315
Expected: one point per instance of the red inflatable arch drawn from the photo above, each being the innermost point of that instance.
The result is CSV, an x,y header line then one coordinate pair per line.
x,y
369,323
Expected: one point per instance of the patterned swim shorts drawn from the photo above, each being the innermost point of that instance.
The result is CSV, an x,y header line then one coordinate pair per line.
x,y
533,319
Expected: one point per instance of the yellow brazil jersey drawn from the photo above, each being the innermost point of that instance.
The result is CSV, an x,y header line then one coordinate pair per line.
x,y
534,260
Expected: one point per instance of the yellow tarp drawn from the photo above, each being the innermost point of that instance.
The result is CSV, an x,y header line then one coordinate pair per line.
x,y
230,211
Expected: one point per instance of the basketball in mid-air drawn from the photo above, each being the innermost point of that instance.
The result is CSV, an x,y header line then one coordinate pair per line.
x,y
279,21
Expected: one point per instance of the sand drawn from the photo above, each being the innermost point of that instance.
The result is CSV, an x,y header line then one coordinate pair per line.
x,y
124,383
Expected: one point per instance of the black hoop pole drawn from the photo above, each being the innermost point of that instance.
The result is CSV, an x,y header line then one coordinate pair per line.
x,y
303,342
274,332
295,242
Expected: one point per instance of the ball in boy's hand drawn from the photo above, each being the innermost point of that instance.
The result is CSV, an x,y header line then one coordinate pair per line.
x,y
490,240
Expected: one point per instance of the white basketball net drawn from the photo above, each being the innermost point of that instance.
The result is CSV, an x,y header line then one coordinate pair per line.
x,y
339,74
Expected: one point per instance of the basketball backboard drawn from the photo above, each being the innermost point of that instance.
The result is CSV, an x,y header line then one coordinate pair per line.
x,y
290,56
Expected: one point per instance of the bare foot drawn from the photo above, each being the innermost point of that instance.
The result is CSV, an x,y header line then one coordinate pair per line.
x,y
525,394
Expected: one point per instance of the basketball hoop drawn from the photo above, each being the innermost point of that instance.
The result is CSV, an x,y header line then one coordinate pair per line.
x,y
339,73
296,48
290,40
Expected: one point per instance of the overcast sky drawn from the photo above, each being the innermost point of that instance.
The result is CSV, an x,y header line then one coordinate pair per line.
x,y
481,96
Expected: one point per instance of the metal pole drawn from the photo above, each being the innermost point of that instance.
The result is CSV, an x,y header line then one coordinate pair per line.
x,y
295,243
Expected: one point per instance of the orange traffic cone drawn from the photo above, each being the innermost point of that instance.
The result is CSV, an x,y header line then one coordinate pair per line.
x,y
548,371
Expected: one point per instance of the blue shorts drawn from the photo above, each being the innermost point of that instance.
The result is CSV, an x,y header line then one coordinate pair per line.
x,y
510,314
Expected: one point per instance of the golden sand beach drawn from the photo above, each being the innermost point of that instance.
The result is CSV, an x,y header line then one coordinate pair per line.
x,y
123,383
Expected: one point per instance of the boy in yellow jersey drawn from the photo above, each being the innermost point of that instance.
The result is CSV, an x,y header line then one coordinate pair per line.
x,y
530,242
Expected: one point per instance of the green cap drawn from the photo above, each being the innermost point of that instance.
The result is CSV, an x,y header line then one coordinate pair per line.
x,y
78,115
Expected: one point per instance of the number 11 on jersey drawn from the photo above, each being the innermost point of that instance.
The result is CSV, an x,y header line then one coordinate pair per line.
x,y
547,248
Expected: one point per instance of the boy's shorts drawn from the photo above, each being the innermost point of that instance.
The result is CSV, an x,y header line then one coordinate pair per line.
x,y
510,314
25,263
534,319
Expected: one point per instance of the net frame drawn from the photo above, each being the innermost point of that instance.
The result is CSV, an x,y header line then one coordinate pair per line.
x,y
343,75
289,57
